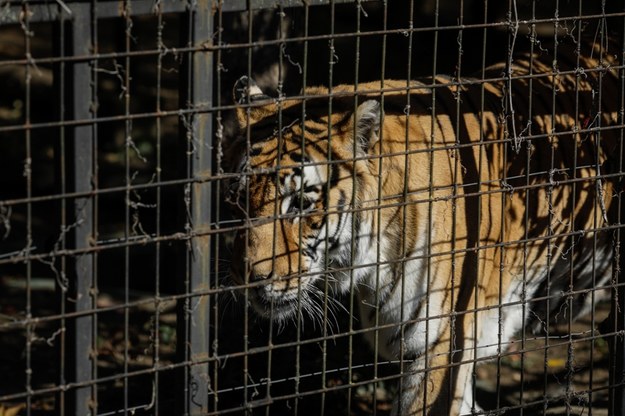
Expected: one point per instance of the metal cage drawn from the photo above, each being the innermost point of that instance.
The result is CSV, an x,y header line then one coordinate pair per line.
x,y
117,242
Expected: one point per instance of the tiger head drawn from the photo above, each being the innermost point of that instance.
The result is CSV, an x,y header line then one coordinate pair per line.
x,y
299,183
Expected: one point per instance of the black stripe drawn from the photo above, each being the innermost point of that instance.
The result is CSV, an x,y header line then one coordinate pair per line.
x,y
255,151
313,130
295,157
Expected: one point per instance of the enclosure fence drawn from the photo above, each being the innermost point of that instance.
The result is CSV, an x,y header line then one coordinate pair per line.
x,y
182,226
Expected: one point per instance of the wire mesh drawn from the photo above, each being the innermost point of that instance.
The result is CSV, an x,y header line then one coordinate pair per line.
x,y
311,207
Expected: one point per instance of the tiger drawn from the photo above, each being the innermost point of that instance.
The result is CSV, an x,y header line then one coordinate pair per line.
x,y
458,211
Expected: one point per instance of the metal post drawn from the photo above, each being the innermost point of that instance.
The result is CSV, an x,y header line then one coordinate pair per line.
x,y
85,362
199,268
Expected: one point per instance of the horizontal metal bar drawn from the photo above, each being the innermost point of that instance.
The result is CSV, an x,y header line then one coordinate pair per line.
x,y
240,5
49,11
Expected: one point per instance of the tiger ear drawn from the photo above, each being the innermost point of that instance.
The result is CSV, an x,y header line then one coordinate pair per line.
x,y
367,123
246,91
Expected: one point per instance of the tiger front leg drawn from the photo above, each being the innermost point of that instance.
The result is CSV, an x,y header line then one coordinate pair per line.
x,y
439,386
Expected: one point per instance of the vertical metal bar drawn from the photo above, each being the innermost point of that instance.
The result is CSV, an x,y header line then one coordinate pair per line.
x,y
298,352
201,95
551,260
157,266
61,174
353,225
333,60
126,11
219,138
378,213
510,134
479,186
248,148
430,218
616,320
620,341
29,218
457,343
270,342
621,254
570,389
83,151
526,214
404,365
